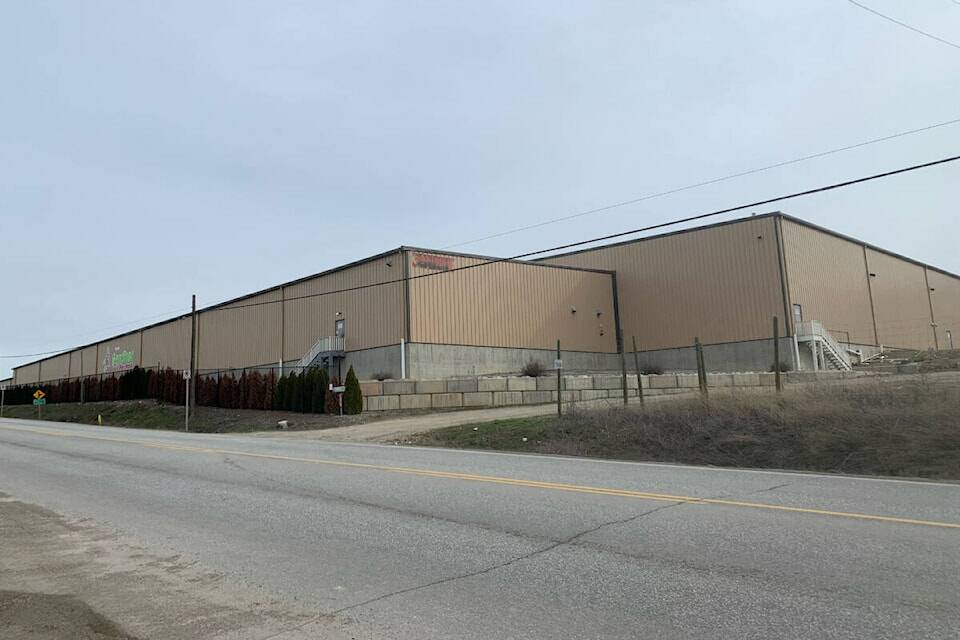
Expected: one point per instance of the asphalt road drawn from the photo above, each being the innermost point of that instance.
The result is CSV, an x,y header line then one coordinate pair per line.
x,y
399,542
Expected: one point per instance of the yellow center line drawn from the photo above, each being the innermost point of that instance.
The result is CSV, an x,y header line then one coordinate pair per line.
x,y
451,475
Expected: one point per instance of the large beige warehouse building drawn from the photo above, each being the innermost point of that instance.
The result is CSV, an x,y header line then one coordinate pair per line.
x,y
724,283
420,313
451,321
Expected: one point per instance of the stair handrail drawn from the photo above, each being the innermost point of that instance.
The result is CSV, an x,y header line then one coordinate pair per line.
x,y
325,344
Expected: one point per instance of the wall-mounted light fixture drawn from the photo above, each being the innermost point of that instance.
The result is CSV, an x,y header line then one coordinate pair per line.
x,y
873,275
573,309
599,313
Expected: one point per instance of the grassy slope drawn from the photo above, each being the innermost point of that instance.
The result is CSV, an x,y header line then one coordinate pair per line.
x,y
896,428
147,414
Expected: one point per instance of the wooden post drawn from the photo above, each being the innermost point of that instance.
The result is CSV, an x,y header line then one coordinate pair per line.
x,y
776,353
636,364
192,381
559,380
701,368
623,373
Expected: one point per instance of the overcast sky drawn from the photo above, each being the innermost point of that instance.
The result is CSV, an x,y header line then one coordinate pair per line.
x,y
152,150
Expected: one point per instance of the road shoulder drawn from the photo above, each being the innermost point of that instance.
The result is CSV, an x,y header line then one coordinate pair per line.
x,y
76,579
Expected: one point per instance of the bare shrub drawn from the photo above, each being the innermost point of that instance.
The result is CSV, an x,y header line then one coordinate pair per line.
x,y
533,369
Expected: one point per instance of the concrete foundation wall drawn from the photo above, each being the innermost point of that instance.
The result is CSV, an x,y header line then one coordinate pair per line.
x,y
444,361
507,391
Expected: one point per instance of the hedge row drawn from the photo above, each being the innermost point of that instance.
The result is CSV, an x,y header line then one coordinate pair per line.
x,y
136,384
305,393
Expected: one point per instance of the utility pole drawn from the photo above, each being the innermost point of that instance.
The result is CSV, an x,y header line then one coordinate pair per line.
x,y
636,364
3,398
192,397
186,403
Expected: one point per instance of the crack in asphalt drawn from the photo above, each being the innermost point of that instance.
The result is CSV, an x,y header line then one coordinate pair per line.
x,y
500,565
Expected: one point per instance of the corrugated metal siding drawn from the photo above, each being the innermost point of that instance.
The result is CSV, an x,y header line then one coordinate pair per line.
x,y
111,351
828,278
945,298
55,368
509,304
240,335
88,358
900,302
75,364
720,283
373,317
27,374
167,345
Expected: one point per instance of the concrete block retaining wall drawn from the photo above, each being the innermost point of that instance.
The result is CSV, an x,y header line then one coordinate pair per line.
x,y
519,390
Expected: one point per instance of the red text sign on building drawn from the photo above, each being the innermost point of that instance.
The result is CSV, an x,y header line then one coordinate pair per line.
x,y
433,262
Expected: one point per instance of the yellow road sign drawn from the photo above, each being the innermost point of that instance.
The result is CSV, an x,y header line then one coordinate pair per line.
x,y
39,394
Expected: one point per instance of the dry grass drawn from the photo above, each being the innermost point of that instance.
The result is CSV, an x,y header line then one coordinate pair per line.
x,y
907,427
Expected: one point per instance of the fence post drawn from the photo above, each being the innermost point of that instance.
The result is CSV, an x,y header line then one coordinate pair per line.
x,y
559,379
636,364
701,368
623,368
776,353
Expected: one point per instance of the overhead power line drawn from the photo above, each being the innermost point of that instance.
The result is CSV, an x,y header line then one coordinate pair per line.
x,y
904,24
96,331
704,183
701,216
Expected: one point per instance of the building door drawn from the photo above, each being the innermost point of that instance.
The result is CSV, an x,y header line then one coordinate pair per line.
x,y
338,328
797,314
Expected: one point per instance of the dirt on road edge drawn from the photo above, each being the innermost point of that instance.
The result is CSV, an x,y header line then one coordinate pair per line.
x,y
75,579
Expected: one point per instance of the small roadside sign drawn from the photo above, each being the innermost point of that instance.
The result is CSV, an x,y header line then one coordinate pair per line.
x,y
558,364
339,389
186,374
39,394
39,401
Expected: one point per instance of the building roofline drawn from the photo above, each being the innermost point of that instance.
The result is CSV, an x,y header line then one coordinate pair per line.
x,y
770,214
494,259
713,225
218,305
327,272
837,234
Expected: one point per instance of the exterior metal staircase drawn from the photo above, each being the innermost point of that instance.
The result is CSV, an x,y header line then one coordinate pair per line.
x,y
826,352
323,352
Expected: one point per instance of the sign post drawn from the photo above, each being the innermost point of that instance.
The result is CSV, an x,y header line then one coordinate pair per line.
x,y
186,404
339,391
558,365
39,399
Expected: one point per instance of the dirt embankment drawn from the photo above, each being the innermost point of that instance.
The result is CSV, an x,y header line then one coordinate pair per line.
x,y
900,426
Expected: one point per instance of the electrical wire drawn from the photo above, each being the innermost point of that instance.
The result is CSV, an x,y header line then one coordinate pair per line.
x,y
701,216
96,331
705,183
580,243
904,24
